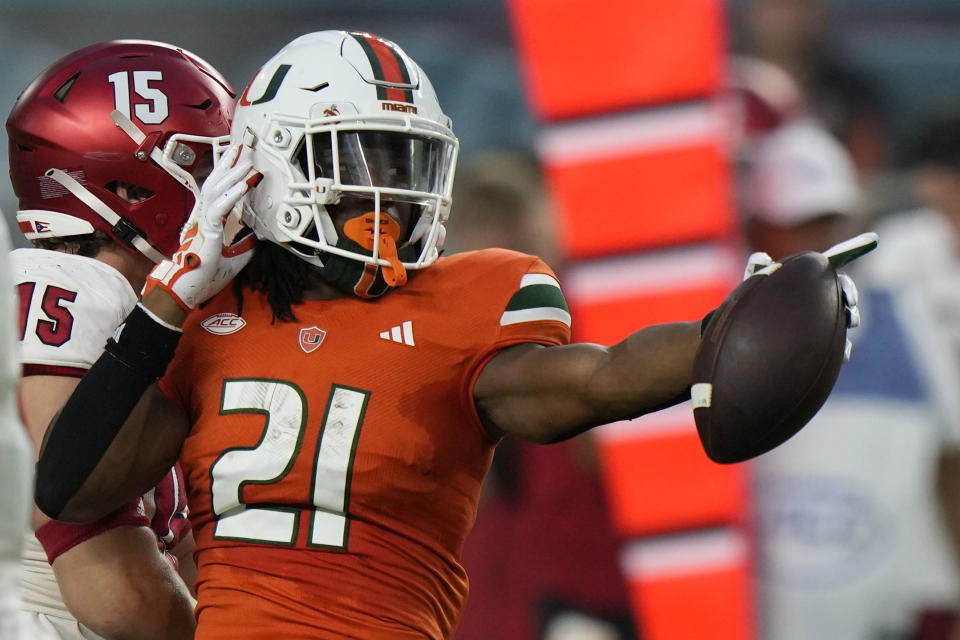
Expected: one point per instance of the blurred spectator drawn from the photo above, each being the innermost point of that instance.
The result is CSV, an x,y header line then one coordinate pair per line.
x,y
852,545
937,162
795,36
763,97
801,191
524,585
925,265
501,201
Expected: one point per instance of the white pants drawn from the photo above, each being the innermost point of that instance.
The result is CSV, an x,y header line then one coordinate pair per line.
x,y
39,626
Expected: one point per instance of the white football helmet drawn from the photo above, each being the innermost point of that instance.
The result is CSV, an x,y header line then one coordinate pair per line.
x,y
336,114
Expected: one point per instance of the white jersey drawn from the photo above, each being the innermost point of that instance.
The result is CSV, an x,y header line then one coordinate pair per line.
x,y
70,305
16,459
852,544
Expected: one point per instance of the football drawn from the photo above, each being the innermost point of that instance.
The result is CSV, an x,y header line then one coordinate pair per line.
x,y
769,357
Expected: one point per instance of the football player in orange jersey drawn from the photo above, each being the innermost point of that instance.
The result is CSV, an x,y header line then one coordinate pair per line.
x,y
336,409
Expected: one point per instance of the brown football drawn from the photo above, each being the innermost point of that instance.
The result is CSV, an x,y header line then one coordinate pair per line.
x,y
769,358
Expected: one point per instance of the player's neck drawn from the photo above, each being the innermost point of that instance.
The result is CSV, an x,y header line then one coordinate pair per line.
x,y
319,290
133,266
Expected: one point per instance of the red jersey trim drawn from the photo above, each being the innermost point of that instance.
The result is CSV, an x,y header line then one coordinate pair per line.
x,y
57,538
30,369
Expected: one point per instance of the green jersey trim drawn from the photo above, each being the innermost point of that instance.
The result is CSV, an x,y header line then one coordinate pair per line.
x,y
538,298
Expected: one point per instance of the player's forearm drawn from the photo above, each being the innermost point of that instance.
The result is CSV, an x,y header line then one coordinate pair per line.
x,y
650,370
551,394
140,455
83,433
162,305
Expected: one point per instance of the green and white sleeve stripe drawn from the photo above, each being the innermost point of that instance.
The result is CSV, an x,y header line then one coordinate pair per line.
x,y
538,298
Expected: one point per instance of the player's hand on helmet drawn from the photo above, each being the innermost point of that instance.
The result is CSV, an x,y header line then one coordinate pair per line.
x,y
205,262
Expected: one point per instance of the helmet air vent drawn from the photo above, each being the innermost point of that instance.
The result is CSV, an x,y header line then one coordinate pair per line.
x,y
61,93
132,193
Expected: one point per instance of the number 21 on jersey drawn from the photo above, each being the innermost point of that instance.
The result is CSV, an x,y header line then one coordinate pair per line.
x,y
284,408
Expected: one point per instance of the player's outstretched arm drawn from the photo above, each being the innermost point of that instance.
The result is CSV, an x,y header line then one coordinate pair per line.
x,y
547,394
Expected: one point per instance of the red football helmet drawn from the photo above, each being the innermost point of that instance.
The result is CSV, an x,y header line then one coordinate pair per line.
x,y
128,115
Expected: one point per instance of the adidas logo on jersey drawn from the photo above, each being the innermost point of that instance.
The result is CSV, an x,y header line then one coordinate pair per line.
x,y
222,324
402,333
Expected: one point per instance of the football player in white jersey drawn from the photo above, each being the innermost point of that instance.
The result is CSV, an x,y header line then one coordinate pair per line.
x,y
15,461
851,544
106,150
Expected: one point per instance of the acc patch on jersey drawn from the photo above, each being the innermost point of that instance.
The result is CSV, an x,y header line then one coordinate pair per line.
x,y
222,324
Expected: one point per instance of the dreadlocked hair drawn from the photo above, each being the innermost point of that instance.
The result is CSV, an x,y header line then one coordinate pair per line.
x,y
87,245
280,275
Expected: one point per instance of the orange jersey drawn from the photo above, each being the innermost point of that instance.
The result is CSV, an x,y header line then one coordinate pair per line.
x,y
334,463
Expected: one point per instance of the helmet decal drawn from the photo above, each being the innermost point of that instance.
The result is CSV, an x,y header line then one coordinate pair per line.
x,y
272,87
388,66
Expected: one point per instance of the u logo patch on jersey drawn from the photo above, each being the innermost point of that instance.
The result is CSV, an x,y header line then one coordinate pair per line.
x,y
311,338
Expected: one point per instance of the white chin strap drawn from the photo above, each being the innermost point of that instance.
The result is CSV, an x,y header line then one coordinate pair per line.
x,y
138,136
101,209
